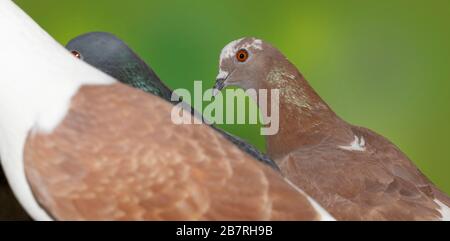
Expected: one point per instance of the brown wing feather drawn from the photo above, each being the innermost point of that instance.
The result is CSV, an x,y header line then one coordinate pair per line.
x,y
380,183
118,156
396,161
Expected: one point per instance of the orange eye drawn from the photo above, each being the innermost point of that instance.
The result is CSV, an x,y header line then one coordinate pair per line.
x,y
76,54
242,55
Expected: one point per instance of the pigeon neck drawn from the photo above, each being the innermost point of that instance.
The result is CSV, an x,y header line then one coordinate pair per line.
x,y
304,118
139,75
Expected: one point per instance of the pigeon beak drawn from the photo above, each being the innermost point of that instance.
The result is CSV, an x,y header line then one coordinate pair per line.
x,y
220,83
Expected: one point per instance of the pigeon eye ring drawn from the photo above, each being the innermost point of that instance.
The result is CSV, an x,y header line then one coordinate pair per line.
x,y
76,54
242,55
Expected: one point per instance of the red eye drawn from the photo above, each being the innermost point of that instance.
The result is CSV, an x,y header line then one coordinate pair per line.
x,y
76,54
242,55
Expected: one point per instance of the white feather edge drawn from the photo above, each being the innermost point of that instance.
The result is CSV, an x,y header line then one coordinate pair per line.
x,y
444,210
324,215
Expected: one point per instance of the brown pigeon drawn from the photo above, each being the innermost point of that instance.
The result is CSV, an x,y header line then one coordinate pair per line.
x,y
78,145
351,171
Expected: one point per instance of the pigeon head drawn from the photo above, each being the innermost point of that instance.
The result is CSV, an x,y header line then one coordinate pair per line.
x,y
243,63
251,63
105,51
113,56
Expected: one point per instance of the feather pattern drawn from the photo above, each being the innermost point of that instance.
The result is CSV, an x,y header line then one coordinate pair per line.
x,y
115,158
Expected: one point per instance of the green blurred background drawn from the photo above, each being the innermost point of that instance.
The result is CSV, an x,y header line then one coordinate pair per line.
x,y
380,64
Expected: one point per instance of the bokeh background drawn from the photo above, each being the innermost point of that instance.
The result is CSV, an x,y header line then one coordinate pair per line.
x,y
381,64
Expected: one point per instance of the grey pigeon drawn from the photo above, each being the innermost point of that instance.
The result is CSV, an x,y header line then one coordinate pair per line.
x,y
113,56
78,145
